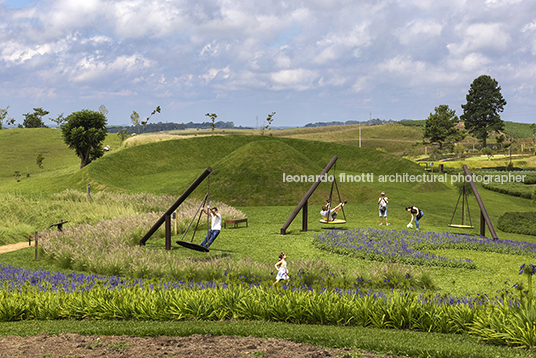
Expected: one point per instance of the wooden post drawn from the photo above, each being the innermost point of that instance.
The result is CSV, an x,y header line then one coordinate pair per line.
x,y
36,244
176,216
304,216
482,224
167,226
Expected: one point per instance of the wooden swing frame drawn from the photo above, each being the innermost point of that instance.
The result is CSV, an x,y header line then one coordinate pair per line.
x,y
190,244
465,203
166,218
334,184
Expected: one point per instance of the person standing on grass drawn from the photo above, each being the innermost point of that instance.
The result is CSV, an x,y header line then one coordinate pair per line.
x,y
382,202
215,227
416,214
281,267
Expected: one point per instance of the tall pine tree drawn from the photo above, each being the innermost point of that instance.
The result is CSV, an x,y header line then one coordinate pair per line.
x,y
481,112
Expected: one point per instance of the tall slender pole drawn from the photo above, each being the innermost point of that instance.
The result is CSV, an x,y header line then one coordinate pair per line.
x,y
359,134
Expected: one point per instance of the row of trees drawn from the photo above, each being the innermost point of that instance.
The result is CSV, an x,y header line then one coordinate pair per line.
x,y
31,120
480,115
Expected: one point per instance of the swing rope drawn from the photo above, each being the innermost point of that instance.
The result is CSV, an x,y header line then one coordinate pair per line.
x,y
197,212
465,202
336,186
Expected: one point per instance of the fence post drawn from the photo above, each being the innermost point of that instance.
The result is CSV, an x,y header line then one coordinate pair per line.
x,y
36,244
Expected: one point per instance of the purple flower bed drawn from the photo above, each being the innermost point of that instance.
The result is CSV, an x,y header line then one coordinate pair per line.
x,y
19,279
16,278
411,247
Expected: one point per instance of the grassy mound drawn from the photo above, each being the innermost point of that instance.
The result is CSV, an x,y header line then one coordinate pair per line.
x,y
20,147
248,170
518,223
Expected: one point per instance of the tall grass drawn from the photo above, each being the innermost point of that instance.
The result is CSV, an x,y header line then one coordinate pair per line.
x,y
25,214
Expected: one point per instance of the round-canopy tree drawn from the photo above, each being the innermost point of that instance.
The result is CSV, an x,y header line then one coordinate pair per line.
x,y
84,131
484,103
440,127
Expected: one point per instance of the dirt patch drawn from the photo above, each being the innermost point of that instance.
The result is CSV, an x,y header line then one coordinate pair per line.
x,y
13,247
75,345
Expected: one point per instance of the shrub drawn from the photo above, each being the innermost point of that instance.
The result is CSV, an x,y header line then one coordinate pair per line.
x,y
514,189
518,223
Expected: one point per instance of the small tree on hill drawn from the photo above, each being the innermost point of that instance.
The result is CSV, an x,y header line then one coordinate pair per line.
x,y
122,134
58,120
213,117
103,109
39,162
481,112
440,127
135,119
269,121
84,131
3,117
157,110
35,120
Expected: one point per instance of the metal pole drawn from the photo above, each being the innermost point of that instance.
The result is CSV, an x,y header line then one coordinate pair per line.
x,y
174,207
306,197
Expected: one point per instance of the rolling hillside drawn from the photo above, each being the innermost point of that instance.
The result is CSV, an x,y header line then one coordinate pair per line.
x,y
248,170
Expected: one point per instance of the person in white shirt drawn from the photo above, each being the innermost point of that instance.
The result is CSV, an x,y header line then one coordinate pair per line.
x,y
382,202
214,229
329,214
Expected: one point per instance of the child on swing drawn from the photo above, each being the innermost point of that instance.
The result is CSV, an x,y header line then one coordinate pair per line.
x,y
328,214
281,267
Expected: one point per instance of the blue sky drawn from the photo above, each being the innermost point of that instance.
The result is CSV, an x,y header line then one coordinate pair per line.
x,y
308,61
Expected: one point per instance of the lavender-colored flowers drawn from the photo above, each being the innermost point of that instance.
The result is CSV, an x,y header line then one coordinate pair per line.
x,y
411,246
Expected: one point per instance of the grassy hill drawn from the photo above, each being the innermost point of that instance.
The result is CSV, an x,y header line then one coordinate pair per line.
x,y
248,170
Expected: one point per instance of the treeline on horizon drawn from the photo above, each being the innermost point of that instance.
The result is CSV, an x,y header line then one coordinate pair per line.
x,y
170,126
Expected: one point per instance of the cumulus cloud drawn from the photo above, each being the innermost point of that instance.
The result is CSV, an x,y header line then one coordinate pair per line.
x,y
220,52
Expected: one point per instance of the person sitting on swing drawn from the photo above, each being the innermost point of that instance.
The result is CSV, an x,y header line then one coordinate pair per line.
x,y
215,227
330,214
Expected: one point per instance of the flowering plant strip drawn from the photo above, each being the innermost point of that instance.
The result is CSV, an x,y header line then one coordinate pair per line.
x,y
43,295
412,247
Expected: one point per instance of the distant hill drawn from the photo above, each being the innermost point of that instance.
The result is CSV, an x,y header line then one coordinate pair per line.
x,y
170,126
248,170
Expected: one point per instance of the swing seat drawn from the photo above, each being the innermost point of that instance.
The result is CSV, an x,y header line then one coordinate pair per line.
x,y
191,245
335,222
461,226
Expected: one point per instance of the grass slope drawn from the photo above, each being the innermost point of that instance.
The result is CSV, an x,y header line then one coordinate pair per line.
x,y
248,170
20,147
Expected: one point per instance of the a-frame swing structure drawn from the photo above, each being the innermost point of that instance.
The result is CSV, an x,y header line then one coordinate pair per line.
x,y
465,211
336,186
166,218
190,244
484,217
302,205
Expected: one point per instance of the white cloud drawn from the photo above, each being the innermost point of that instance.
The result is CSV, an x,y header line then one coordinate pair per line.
x,y
93,68
298,79
419,29
212,73
482,37
196,53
